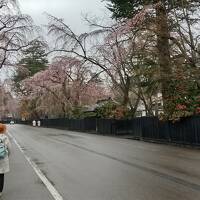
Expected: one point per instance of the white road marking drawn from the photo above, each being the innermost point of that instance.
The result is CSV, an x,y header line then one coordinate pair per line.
x,y
37,170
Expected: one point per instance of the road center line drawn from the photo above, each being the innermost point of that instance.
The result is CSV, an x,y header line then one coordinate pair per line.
x,y
39,173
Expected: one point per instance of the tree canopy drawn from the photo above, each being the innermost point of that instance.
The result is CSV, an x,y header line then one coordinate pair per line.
x,y
35,58
128,8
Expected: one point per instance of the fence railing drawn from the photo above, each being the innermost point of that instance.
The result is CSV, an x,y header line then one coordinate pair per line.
x,y
186,131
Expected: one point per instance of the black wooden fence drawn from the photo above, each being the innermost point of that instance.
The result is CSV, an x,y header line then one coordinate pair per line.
x,y
186,131
86,125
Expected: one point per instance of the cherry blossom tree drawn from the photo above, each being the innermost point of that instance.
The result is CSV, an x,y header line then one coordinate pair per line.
x,y
8,104
121,32
68,81
120,50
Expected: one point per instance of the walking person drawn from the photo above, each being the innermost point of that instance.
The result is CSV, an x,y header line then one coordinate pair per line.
x,y
34,123
4,155
39,123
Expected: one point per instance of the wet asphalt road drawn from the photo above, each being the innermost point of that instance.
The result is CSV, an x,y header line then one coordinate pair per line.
x,y
91,167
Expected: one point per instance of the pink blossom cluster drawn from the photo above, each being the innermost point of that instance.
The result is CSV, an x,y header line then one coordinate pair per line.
x,y
181,107
69,79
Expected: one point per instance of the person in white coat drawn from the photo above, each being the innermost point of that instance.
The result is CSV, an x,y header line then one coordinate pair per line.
x,y
34,123
39,123
4,162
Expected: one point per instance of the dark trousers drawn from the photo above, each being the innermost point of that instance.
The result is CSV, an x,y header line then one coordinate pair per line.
x,y
1,182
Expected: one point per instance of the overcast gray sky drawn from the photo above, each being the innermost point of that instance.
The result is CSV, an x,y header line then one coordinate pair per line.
x,y
70,10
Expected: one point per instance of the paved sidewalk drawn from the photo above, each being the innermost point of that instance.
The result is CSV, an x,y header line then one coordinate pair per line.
x,y
22,183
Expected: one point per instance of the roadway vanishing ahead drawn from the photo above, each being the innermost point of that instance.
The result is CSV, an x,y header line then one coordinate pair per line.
x,y
83,166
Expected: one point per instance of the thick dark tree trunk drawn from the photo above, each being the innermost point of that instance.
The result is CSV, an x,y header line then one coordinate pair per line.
x,y
126,92
164,56
125,98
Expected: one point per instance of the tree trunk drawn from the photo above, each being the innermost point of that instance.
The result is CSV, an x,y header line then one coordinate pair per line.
x,y
164,55
125,98
63,109
135,107
126,92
